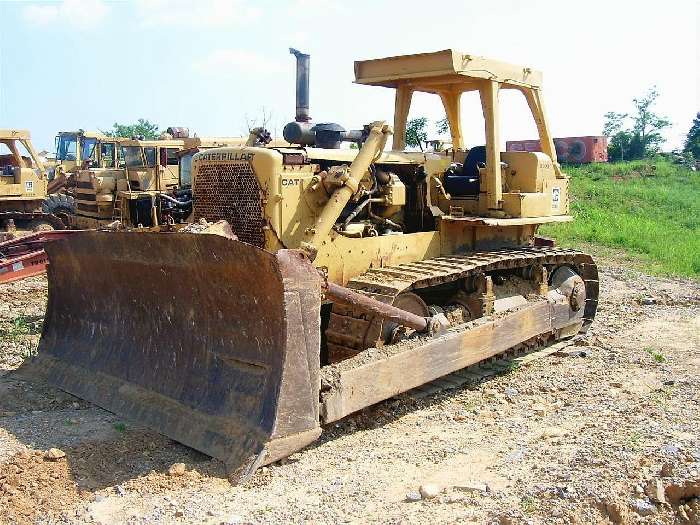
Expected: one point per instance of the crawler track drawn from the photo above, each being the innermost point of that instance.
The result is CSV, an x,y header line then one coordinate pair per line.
x,y
347,329
57,222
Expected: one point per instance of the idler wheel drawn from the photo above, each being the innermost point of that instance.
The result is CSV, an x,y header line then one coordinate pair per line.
x,y
570,285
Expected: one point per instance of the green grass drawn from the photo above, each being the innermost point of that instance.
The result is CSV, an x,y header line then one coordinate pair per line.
x,y
648,208
634,440
528,504
513,366
18,331
19,327
658,356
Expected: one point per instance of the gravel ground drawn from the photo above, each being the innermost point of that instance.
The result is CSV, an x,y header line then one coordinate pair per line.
x,y
607,431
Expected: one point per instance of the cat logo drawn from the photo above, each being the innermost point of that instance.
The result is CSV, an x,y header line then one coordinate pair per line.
x,y
556,197
29,186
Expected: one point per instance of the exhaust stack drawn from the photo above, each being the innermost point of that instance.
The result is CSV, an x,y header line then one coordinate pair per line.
x,y
326,135
303,61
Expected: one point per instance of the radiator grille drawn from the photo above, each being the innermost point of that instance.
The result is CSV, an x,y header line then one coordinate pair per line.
x,y
231,192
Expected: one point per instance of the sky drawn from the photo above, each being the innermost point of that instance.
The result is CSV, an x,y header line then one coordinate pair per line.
x,y
216,66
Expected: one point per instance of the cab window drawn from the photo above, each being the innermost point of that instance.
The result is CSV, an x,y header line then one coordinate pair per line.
x,y
132,156
107,155
66,147
150,155
172,159
186,170
9,159
88,149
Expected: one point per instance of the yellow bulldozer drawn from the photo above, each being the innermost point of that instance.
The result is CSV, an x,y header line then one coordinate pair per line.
x,y
24,197
78,150
344,277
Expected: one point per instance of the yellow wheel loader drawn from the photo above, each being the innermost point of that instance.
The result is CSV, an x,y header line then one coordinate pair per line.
x,y
344,277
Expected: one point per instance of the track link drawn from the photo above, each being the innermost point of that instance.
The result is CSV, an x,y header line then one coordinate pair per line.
x,y
347,329
55,221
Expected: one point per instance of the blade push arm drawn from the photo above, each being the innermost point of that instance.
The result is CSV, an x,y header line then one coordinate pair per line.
x,y
349,180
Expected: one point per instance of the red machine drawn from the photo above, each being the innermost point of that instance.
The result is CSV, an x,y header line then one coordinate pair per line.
x,y
25,256
575,150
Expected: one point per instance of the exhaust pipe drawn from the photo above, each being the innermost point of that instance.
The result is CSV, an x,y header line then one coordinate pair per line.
x,y
324,135
303,61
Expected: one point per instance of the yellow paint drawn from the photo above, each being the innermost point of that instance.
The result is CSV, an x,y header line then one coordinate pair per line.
x,y
306,205
23,179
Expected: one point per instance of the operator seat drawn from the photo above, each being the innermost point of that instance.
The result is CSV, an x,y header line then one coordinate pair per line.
x,y
467,183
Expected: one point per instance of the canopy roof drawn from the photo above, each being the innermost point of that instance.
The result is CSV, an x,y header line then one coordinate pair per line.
x,y
92,135
433,72
10,134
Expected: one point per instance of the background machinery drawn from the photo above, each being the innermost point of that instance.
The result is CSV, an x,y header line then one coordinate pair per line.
x,y
151,185
78,150
150,195
346,277
24,198
146,169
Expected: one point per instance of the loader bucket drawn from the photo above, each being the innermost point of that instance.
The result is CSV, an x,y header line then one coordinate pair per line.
x,y
213,342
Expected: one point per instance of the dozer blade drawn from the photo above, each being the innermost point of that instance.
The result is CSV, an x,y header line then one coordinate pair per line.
x,y
211,341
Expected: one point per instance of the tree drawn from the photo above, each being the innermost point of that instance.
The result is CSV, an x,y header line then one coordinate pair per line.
x,y
442,126
640,139
619,139
692,140
142,128
647,124
261,121
613,123
416,134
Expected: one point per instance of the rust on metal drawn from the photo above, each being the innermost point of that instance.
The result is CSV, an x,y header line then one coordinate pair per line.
x,y
360,382
340,294
213,342
446,269
57,184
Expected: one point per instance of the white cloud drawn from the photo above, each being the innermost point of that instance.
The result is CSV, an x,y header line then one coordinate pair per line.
x,y
80,14
237,60
315,7
41,15
202,13
304,13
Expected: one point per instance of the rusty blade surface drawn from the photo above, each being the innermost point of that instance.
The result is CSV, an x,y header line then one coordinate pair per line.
x,y
188,334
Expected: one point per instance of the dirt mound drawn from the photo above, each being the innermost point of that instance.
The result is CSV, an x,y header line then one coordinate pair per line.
x,y
36,483
32,485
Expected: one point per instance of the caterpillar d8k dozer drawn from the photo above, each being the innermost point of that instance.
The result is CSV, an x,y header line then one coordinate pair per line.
x,y
346,277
